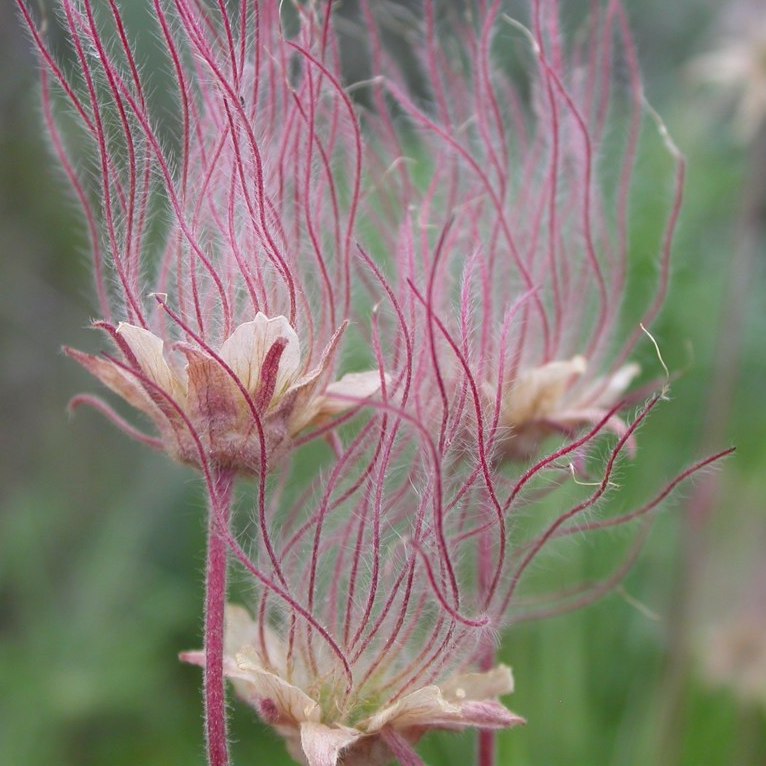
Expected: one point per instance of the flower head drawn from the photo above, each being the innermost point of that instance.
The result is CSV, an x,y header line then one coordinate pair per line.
x,y
322,725
547,400
234,406
514,238
220,233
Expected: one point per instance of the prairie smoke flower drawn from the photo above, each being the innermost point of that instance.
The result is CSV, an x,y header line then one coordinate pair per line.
x,y
515,235
221,235
547,400
258,376
260,191
322,726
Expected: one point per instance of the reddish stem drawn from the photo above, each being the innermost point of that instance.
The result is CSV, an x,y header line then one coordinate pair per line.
x,y
215,603
487,747
487,742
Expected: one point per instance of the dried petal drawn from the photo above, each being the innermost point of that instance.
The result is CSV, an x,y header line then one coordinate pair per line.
x,y
357,385
537,392
118,380
323,744
293,704
423,707
479,686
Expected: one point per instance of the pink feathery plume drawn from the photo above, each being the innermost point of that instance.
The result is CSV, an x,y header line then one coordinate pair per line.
x,y
505,153
221,219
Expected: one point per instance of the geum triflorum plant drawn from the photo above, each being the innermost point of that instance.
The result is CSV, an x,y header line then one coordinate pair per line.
x,y
224,247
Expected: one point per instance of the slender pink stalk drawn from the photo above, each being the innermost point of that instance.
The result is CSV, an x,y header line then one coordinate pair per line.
x,y
219,515
487,748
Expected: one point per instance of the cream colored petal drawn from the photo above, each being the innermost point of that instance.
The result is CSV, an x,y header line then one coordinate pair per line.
x,y
291,702
149,352
314,410
428,708
578,416
537,392
277,702
420,708
297,407
303,414
354,386
611,392
323,744
468,699
246,348
197,657
242,631
479,686
300,402
306,407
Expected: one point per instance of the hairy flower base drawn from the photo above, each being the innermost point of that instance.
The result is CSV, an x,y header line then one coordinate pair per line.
x,y
542,401
237,405
326,732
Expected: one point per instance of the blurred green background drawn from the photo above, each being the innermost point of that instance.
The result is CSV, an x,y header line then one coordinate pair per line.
x,y
101,543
